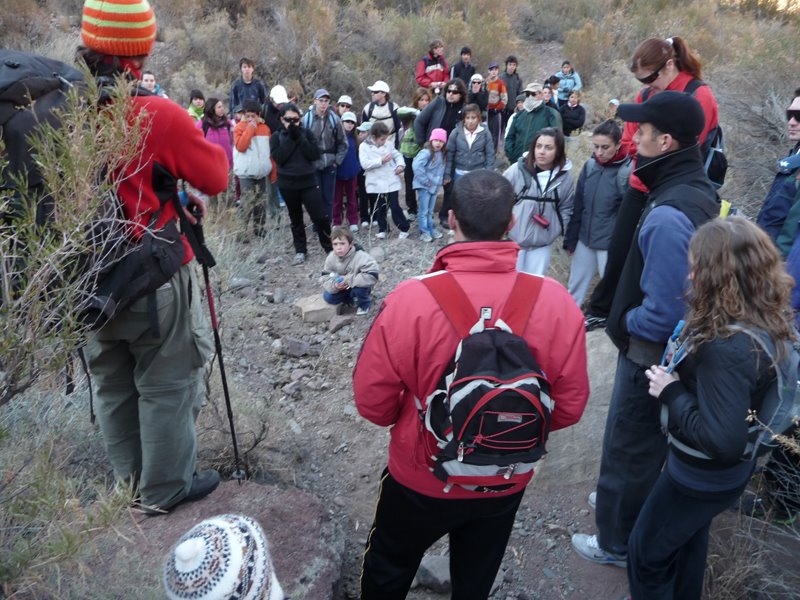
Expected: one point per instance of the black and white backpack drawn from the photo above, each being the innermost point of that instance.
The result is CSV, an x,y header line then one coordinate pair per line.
x,y
490,412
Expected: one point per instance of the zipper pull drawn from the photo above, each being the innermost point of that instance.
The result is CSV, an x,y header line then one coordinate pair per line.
x,y
461,452
510,471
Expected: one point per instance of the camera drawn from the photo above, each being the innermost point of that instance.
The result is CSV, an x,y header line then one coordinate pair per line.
x,y
540,221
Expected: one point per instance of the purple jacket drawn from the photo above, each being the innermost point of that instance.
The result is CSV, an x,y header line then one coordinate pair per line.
x,y
222,138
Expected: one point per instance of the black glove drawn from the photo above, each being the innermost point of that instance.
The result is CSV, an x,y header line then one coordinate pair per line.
x,y
294,131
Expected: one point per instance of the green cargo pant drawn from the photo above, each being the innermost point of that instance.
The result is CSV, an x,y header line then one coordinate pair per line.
x,y
149,389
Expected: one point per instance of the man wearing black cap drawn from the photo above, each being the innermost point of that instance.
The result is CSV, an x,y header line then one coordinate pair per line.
x,y
647,305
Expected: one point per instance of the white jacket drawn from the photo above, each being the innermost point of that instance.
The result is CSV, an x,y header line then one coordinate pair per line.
x,y
380,176
255,163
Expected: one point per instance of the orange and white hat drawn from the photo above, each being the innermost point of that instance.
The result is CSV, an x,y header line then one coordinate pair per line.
x,y
118,27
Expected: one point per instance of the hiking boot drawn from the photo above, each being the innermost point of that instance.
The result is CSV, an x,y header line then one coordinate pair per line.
x,y
425,237
299,258
586,546
203,483
593,322
593,499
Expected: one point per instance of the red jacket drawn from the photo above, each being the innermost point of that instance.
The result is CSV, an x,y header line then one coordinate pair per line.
x,y
172,140
431,70
703,95
411,341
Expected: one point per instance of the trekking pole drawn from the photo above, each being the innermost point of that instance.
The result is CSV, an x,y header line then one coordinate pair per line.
x,y
205,258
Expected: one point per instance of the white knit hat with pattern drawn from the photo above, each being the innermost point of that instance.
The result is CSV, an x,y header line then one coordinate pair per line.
x,y
226,556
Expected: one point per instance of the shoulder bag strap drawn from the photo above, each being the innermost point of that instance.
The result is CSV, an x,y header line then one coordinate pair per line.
x,y
453,301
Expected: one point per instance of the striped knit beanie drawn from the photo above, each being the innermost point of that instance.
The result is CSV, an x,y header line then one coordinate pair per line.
x,y
118,27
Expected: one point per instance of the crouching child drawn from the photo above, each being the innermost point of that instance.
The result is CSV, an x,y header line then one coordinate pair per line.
x,y
349,273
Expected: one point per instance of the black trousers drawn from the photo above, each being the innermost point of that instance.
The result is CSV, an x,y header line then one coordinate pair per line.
x,y
411,193
311,198
448,194
630,211
407,524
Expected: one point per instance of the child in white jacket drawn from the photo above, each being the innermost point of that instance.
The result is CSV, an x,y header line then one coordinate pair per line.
x,y
383,166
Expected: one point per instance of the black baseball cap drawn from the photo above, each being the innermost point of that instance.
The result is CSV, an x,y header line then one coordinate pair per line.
x,y
675,113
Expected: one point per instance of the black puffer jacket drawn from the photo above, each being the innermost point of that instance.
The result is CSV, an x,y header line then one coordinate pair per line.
x,y
295,155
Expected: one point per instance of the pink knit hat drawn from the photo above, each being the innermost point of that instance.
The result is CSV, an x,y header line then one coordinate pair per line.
x,y
439,134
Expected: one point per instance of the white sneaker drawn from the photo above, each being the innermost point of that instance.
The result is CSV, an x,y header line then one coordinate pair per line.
x,y
299,259
362,311
381,235
354,228
437,235
364,224
587,547
425,237
451,232
402,235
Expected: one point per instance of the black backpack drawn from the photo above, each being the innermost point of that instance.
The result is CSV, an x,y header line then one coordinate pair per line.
x,y
33,91
712,149
490,412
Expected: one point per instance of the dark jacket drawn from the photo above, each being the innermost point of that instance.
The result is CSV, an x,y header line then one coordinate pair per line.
x,y
719,384
782,196
513,87
481,98
241,91
465,158
295,156
461,71
525,126
572,117
649,298
597,198
350,165
432,116
272,116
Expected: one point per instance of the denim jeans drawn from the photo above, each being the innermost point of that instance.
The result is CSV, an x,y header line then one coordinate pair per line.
x,y
360,296
426,201
326,179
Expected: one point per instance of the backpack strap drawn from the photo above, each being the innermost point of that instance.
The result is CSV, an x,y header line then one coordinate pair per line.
x,y
453,301
521,301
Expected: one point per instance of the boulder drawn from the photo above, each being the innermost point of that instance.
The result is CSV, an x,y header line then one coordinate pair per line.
x,y
315,310
434,573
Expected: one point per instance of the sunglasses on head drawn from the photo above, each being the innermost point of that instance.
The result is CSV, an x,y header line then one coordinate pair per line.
x,y
793,114
654,75
292,119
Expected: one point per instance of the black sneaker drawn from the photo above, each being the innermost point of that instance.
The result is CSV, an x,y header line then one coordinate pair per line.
x,y
203,483
593,322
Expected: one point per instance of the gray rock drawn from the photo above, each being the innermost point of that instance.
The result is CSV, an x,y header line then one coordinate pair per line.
x,y
339,321
279,295
295,427
434,573
298,374
277,345
294,347
378,253
314,309
238,283
270,297
293,389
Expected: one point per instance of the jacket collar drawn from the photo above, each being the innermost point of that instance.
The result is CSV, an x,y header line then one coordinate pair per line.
x,y
684,163
490,257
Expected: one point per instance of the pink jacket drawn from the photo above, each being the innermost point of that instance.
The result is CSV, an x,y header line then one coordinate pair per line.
x,y
221,137
411,341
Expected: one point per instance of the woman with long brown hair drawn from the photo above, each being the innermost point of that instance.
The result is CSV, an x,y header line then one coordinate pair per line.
x,y
738,306
659,64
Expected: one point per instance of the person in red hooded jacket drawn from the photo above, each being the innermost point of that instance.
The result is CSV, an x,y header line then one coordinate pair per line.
x,y
402,357
432,70
147,362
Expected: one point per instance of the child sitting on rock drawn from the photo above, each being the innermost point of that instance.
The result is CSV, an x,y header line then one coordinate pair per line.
x,y
349,273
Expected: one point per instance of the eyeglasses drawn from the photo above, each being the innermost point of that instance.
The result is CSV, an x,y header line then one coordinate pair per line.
x,y
793,114
292,119
453,91
345,105
654,75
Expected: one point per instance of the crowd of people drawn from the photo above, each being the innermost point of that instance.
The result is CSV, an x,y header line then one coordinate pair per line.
x,y
642,213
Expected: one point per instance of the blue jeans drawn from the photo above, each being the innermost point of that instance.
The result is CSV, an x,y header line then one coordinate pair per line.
x,y
360,296
668,545
326,179
425,203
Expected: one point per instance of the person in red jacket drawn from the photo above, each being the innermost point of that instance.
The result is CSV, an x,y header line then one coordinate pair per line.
x,y
147,362
432,71
659,64
401,360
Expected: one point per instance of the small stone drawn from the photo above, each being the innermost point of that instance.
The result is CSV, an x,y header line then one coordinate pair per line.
x,y
314,309
548,572
277,345
339,501
270,297
298,374
295,427
434,573
238,283
279,295
550,543
294,389
350,410
295,347
339,321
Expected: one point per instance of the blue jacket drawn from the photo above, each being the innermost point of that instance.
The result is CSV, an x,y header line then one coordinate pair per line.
x,y
428,171
569,83
781,197
350,165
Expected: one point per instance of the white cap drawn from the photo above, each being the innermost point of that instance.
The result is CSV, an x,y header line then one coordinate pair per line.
x,y
278,95
349,116
476,77
379,86
345,100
